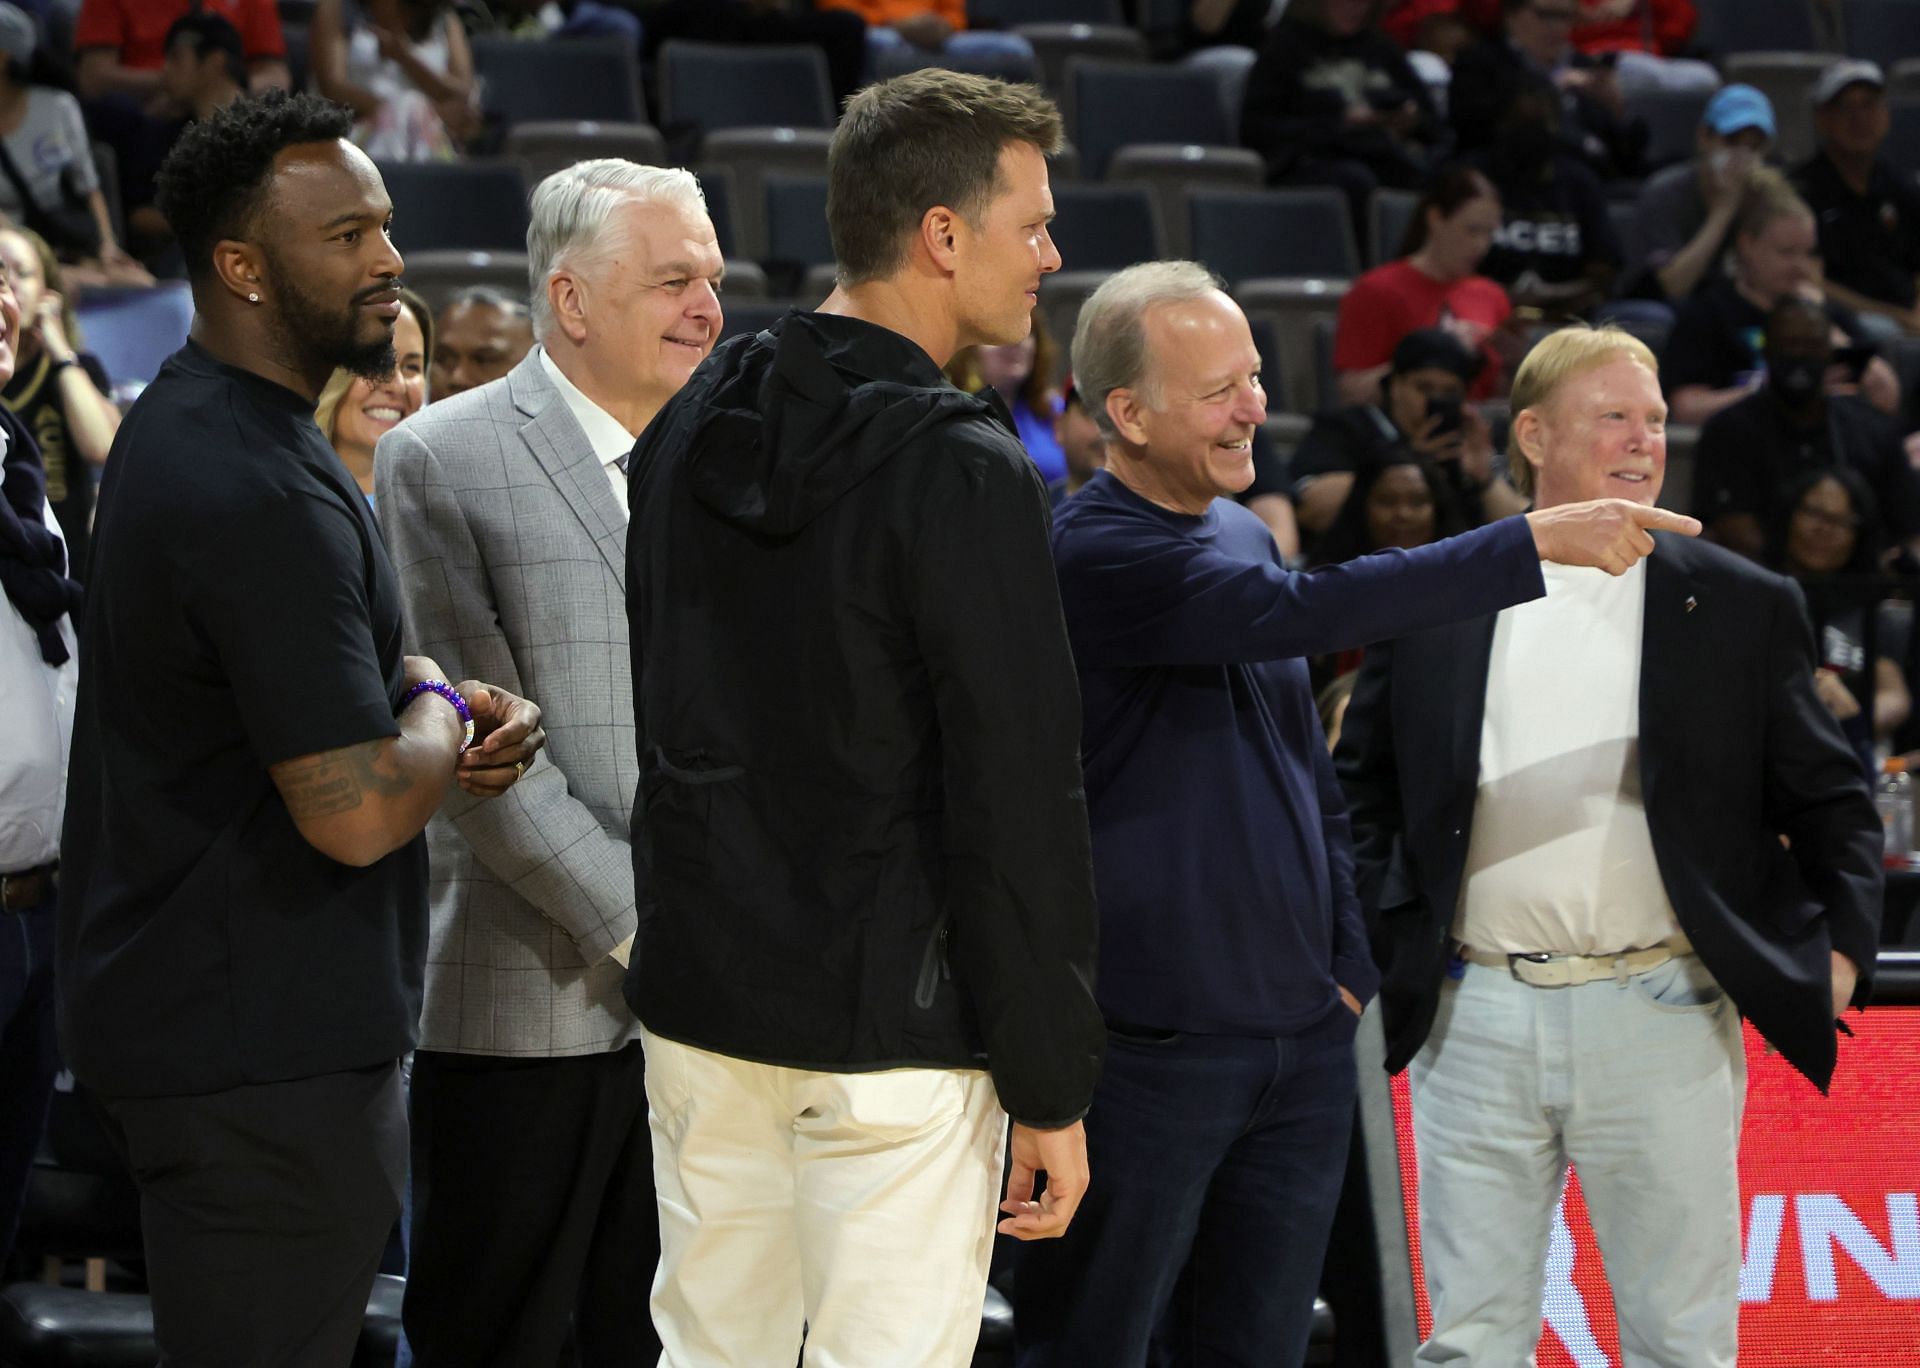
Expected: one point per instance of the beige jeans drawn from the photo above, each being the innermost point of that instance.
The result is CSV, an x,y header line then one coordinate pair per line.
x,y
857,1209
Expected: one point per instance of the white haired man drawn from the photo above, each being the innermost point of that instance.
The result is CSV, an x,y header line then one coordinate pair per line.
x,y
1233,962
1593,832
506,509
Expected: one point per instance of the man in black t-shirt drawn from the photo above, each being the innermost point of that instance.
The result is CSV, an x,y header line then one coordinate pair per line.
x,y
1869,213
1750,451
243,902
1556,249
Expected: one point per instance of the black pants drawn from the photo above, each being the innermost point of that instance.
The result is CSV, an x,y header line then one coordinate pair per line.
x,y
532,1210
28,1059
264,1210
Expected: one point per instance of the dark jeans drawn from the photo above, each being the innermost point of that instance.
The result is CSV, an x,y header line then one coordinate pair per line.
x,y
532,1211
264,1210
1220,1154
28,1060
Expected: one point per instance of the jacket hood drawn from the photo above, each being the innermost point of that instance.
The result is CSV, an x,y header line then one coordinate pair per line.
x,y
794,417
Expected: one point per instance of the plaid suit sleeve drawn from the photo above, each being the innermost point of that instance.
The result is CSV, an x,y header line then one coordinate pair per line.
x,y
536,838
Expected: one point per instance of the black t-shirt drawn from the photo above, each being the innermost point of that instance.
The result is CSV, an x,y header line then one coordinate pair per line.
x,y
33,395
1551,224
1719,338
1346,439
1870,243
1749,451
241,612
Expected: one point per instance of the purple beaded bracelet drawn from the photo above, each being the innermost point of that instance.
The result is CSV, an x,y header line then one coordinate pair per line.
x,y
452,695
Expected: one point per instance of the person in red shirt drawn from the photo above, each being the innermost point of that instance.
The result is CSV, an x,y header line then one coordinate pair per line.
x,y
121,45
1433,284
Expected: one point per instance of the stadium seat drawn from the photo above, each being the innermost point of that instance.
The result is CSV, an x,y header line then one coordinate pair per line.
x,y
1171,169
67,1327
1880,30
1903,143
1390,215
1006,66
1249,234
750,155
717,184
437,276
1672,116
1007,13
1296,308
1110,105
707,86
1105,227
134,331
797,237
525,81
1785,78
1903,79
745,281
1229,66
1061,295
1054,45
1731,26
544,146
475,204
754,315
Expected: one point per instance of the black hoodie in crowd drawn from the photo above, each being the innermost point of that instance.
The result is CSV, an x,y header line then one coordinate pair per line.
x,y
860,840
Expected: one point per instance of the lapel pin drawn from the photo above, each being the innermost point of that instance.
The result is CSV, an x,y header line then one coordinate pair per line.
x,y
1692,603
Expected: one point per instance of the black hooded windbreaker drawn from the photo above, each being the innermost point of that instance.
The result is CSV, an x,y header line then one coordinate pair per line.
x,y
860,840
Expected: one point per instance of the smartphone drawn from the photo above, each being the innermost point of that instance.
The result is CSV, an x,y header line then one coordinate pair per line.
x,y
1855,359
1447,408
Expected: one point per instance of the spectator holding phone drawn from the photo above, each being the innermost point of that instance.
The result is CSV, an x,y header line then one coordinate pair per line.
x,y
1419,412
1807,416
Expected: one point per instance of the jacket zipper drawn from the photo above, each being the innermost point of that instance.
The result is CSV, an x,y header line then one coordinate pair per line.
x,y
933,965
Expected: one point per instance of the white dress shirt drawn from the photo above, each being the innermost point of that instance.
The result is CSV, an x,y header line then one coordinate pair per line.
x,y
609,439
34,738
1561,859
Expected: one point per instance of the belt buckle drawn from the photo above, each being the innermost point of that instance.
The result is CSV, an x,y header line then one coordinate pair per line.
x,y
1542,962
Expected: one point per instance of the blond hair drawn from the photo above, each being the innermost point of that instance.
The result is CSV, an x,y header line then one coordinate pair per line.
x,y
328,405
1555,359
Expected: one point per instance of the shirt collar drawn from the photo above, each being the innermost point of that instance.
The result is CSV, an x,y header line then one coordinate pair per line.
x,y
609,440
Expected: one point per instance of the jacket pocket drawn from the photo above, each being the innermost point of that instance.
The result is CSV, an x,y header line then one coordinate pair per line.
x,y
933,966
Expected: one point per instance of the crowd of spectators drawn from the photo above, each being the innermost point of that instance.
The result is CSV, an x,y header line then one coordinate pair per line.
x,y
1514,130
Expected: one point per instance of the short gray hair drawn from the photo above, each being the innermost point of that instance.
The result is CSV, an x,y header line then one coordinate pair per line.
x,y
488,297
1110,340
571,209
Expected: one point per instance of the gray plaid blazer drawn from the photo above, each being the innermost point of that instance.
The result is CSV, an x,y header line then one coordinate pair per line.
x,y
511,554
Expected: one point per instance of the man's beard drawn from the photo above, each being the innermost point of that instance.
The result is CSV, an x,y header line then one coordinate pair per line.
x,y
326,335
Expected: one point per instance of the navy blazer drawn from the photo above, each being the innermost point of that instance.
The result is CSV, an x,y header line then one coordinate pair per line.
x,y
1736,752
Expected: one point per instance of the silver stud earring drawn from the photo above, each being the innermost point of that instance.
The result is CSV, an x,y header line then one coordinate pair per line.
x,y
252,298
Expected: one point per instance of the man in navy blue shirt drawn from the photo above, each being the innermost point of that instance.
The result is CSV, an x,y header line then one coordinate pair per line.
x,y
1233,959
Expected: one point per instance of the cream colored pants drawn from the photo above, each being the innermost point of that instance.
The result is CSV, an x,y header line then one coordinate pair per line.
x,y
854,1209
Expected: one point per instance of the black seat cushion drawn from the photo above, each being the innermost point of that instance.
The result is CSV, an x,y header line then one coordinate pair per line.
x,y
65,1327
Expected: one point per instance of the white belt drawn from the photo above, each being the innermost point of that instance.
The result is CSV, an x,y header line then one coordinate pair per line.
x,y
1567,971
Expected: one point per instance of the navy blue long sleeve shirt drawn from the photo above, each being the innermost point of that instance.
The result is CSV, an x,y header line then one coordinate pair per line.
x,y
1222,862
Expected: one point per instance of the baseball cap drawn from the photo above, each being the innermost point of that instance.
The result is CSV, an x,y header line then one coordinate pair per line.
x,y
1435,349
1735,107
18,37
1840,75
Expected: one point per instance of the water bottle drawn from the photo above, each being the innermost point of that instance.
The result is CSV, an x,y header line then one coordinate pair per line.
x,y
1895,801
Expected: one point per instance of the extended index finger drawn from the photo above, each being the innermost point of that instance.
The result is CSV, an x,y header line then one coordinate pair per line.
x,y
1664,520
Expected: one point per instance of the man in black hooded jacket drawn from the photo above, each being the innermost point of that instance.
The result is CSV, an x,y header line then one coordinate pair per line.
x,y
860,843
